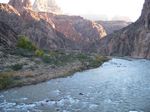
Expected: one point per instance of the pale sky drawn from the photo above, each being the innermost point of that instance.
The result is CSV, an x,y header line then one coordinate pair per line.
x,y
107,8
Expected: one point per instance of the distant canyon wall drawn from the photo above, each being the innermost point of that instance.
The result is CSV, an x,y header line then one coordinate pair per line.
x,y
134,40
113,26
50,31
47,6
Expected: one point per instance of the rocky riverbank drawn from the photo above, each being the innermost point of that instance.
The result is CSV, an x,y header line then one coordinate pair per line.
x,y
17,69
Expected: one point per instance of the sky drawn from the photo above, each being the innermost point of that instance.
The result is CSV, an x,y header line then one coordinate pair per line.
x,y
101,9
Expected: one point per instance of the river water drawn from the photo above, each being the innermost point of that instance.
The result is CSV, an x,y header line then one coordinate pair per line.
x,y
119,85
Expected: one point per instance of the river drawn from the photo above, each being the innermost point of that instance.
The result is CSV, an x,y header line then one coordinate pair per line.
x,y
119,85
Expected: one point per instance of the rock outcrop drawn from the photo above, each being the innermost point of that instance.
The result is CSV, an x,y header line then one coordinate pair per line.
x,y
133,40
8,37
51,31
113,26
33,25
81,31
20,4
46,6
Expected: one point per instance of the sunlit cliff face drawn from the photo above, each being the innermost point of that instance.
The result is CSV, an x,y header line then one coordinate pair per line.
x,y
19,4
46,6
100,9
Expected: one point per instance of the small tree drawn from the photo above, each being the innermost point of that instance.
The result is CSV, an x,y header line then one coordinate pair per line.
x,y
39,53
25,43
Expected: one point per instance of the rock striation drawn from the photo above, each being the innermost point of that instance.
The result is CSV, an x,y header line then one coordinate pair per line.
x,y
79,30
46,6
133,40
8,37
47,31
50,31
20,4
33,25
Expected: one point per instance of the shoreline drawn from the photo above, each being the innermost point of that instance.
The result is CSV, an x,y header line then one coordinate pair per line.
x,y
69,73
36,71
35,80
33,77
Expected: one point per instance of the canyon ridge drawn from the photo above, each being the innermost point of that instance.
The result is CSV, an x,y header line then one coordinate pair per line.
x,y
133,40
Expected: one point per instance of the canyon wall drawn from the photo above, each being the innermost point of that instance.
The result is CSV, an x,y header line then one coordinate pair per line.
x,y
51,31
133,40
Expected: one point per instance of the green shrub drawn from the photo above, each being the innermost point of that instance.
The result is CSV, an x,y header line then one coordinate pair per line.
x,y
25,43
46,59
24,52
39,53
17,67
82,57
52,54
97,61
5,80
27,48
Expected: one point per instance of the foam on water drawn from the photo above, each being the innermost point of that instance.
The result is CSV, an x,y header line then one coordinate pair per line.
x,y
117,86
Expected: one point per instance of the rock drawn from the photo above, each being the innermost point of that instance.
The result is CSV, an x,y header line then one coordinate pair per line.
x,y
133,40
113,26
47,30
7,37
20,4
83,32
81,94
57,109
16,3
46,6
27,4
39,30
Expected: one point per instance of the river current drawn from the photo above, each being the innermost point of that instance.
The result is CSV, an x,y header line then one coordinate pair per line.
x,y
119,85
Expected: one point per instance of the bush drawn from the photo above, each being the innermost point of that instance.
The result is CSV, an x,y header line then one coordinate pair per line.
x,y
27,48
24,52
39,53
17,67
97,61
82,57
25,43
5,80
46,59
53,54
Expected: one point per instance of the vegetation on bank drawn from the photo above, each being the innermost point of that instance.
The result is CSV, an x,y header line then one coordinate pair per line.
x,y
26,48
25,43
16,67
58,58
6,80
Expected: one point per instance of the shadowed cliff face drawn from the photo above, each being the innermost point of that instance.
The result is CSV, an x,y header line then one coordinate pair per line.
x,y
145,10
78,30
31,24
8,37
50,31
133,40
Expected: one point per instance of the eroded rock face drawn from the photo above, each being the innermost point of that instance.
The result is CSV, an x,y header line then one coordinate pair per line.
x,y
20,4
33,25
133,40
51,31
8,37
46,6
145,10
79,30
